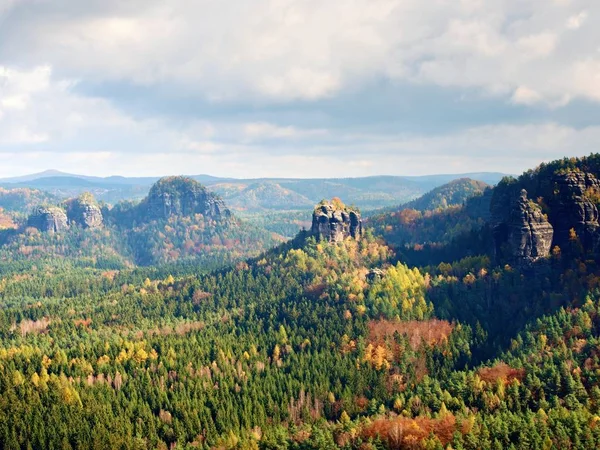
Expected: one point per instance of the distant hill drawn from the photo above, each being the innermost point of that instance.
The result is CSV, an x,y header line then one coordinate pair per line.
x,y
179,220
268,195
67,186
22,200
261,194
115,179
431,181
437,218
36,176
454,193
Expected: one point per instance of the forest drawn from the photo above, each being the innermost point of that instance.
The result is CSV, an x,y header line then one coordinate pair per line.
x,y
446,325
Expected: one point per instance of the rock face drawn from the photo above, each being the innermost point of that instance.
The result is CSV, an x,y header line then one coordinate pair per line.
x,y
181,196
572,208
48,218
522,234
335,223
85,212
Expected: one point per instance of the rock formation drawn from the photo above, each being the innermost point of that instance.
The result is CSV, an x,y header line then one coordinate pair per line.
x,y
572,207
522,234
84,211
335,222
181,196
48,218
374,275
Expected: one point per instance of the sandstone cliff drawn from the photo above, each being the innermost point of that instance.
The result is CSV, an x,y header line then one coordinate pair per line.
x,y
48,219
522,233
568,191
181,196
333,222
84,211
572,208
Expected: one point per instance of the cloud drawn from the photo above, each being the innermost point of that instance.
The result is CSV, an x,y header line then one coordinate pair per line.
x,y
575,22
56,127
35,109
281,50
525,96
283,87
538,45
258,131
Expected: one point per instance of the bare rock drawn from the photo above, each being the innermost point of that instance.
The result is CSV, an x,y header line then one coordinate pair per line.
x,y
522,233
182,196
84,211
335,222
48,219
572,208
374,275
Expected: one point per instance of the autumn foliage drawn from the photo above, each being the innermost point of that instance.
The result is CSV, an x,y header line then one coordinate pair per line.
x,y
502,372
429,332
406,433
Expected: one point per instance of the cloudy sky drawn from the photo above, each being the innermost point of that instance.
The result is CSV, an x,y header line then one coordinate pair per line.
x,y
296,87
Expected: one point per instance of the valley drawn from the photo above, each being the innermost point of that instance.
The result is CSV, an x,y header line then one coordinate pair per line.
x,y
467,318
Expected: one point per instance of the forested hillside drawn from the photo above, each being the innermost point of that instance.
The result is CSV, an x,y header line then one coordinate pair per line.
x,y
22,200
478,328
448,222
452,194
179,221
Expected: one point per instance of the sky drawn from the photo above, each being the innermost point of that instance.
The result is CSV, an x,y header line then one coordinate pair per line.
x,y
296,88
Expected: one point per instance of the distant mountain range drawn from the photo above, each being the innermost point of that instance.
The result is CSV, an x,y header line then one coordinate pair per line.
x,y
254,195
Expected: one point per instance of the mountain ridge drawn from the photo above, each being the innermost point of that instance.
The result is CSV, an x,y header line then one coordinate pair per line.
x,y
442,178
254,194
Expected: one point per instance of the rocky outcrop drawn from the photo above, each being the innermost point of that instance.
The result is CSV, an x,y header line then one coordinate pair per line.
x,y
48,219
334,223
85,212
572,208
182,196
374,275
522,233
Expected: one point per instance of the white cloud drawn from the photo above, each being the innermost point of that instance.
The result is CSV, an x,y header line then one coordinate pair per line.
x,y
203,148
265,130
35,109
575,22
587,78
286,54
538,45
280,50
525,96
197,146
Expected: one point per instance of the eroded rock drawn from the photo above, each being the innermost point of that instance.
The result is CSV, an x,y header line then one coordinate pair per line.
x,y
522,233
48,219
335,222
85,212
181,196
572,207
